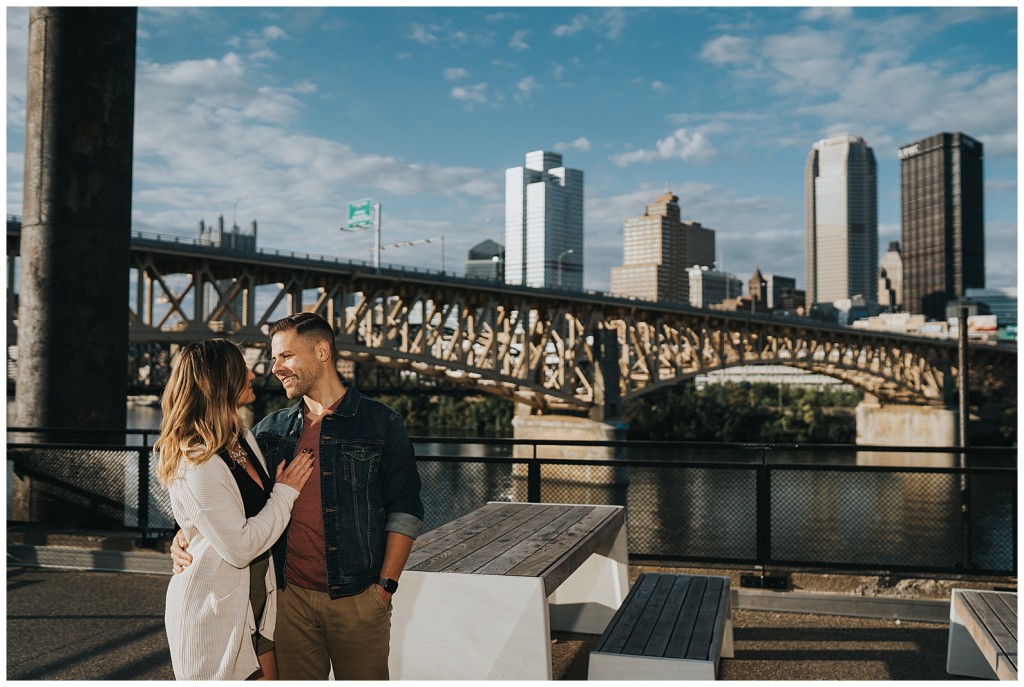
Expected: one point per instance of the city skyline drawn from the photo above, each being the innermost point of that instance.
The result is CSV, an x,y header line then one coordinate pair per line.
x,y
286,115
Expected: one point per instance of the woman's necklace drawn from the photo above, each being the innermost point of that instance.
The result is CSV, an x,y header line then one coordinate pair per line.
x,y
238,454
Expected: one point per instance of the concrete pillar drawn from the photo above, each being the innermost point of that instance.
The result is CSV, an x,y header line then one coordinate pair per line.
x,y
76,233
570,428
906,425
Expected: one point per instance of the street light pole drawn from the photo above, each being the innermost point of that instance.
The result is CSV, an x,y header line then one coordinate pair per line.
x,y
403,244
376,236
561,255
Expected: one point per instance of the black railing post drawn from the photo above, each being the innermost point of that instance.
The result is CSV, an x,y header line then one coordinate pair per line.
x,y
764,512
533,478
143,512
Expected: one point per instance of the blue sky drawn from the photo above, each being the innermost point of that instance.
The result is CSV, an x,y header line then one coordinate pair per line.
x,y
286,115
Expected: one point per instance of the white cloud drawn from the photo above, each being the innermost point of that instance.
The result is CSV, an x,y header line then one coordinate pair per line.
x,y
727,50
425,34
209,132
683,144
472,94
518,41
578,23
526,86
610,23
430,34
455,73
837,14
807,59
582,144
273,33
658,86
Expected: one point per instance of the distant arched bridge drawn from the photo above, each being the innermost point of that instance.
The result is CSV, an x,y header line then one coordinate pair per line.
x,y
553,350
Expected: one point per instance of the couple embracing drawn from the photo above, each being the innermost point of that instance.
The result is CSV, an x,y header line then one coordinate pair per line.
x,y
290,576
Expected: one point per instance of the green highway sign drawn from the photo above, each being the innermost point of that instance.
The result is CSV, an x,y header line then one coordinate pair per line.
x,y
360,213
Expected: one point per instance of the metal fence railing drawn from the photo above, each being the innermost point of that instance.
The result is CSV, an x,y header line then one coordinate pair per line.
x,y
830,507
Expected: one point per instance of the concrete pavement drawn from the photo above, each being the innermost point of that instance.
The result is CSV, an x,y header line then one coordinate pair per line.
x,y
86,625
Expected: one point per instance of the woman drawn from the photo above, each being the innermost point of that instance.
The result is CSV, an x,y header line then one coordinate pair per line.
x,y
220,612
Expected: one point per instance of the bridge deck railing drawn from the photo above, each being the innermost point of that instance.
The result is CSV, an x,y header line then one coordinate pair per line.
x,y
766,505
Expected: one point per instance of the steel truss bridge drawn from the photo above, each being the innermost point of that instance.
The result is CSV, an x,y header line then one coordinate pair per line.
x,y
551,350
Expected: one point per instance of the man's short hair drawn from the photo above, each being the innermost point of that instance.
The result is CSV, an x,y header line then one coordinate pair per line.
x,y
310,326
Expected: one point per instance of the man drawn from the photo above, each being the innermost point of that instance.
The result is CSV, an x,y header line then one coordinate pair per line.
x,y
355,520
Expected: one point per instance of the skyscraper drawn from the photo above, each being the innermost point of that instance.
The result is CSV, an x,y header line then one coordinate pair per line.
x,y
657,248
842,220
943,223
544,223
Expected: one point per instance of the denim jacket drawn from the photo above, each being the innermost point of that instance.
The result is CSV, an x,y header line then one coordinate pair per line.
x,y
369,485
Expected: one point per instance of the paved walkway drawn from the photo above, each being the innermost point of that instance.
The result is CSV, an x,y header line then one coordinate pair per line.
x,y
74,625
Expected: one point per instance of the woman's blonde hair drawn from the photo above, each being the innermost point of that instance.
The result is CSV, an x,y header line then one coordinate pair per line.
x,y
200,405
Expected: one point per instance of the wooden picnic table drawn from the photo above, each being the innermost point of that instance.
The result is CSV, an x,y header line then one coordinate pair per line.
x,y
480,595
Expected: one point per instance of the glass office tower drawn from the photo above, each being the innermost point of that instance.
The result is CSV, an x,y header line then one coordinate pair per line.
x,y
943,222
842,220
544,223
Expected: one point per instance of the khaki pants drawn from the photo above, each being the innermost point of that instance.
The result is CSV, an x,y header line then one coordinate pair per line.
x,y
315,633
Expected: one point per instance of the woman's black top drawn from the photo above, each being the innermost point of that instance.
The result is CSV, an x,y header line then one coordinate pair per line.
x,y
254,497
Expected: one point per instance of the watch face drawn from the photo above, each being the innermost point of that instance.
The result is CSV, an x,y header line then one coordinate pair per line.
x,y
390,586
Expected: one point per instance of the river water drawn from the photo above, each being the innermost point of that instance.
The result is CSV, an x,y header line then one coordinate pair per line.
x,y
833,507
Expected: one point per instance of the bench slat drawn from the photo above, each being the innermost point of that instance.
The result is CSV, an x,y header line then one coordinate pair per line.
x,y
1005,607
700,644
647,621
464,541
622,623
557,560
507,551
662,635
682,634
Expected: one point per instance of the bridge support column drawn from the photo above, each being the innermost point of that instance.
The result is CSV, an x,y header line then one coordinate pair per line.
x,y
76,230
906,425
557,478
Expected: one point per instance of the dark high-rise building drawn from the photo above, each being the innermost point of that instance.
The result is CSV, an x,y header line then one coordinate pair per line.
x,y
943,223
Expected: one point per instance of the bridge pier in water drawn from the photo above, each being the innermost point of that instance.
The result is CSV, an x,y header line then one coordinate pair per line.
x,y
529,427
906,425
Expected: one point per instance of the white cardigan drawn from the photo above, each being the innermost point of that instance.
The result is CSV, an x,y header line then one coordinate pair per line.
x,y
208,616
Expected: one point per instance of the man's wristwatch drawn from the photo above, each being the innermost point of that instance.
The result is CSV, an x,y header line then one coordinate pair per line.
x,y
390,586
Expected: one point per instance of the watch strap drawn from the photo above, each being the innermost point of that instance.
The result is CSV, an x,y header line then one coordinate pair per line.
x,y
389,585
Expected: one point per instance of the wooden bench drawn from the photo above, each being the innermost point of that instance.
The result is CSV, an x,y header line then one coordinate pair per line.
x,y
480,595
982,634
670,627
